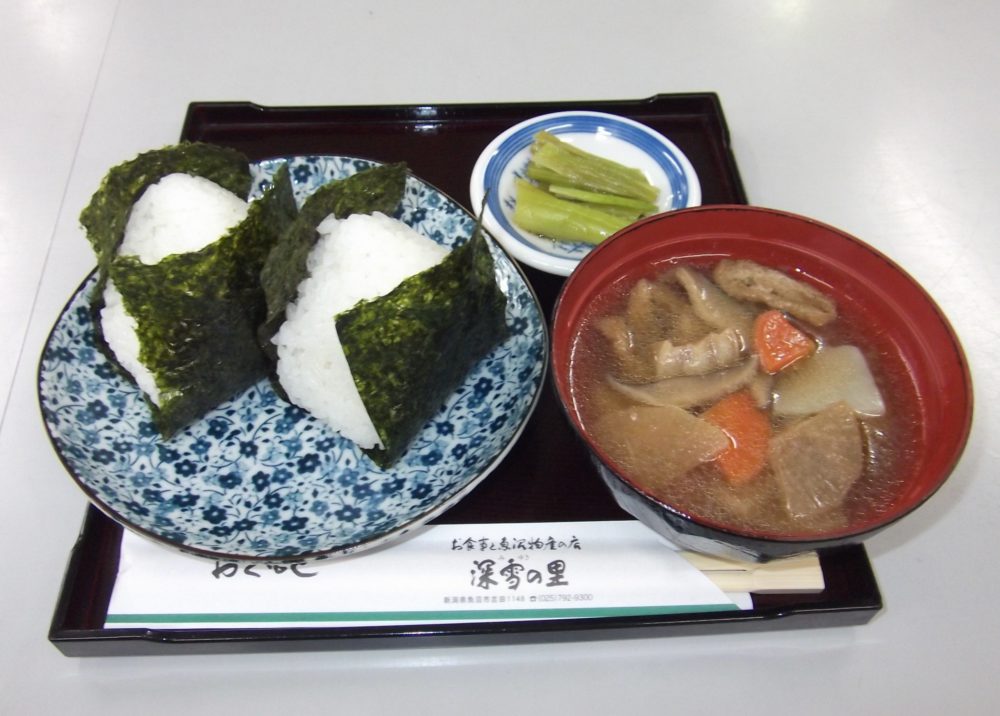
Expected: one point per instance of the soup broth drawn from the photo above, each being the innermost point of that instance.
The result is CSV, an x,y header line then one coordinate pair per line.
x,y
613,388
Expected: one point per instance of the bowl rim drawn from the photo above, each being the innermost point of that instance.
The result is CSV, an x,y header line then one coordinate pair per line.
x,y
560,380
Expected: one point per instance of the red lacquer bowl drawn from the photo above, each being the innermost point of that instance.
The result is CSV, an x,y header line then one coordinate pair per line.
x,y
871,290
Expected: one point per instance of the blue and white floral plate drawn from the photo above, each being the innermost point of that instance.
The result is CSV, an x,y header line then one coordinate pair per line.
x,y
618,138
260,479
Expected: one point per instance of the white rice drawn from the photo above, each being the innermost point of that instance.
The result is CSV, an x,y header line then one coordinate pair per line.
x,y
360,257
119,330
179,214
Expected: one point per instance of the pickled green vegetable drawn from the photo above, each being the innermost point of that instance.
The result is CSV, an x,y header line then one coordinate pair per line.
x,y
584,170
609,201
573,195
540,212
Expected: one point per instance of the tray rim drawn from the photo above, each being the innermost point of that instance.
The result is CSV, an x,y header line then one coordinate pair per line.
x,y
98,533
238,112
768,614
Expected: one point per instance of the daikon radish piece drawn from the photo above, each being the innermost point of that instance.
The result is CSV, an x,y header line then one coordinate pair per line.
x,y
656,445
831,375
817,459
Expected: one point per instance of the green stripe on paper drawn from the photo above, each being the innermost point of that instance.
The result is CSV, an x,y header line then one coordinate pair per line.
x,y
407,616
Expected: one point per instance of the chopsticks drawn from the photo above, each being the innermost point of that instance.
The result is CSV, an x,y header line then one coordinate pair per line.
x,y
799,573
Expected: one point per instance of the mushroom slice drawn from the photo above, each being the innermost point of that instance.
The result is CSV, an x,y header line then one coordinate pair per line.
x,y
658,310
634,364
615,330
749,281
712,305
817,459
656,445
689,391
713,352
645,314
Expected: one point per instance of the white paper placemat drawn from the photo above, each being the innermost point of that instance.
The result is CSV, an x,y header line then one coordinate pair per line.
x,y
439,574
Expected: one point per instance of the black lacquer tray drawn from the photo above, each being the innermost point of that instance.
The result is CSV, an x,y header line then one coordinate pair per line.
x,y
546,477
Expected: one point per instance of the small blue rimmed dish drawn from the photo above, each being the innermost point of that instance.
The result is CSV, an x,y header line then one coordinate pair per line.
x,y
618,138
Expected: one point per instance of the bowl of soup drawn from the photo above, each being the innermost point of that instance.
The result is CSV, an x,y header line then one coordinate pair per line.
x,y
753,383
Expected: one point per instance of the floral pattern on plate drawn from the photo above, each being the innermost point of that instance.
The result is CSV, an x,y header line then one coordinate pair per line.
x,y
258,478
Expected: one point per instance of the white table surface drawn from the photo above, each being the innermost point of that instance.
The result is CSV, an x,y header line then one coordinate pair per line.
x,y
881,117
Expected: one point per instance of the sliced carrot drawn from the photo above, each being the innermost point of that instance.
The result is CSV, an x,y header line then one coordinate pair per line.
x,y
778,342
749,431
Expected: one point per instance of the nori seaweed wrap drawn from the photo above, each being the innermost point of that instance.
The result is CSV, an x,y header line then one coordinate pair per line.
x,y
408,350
105,217
196,312
378,189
